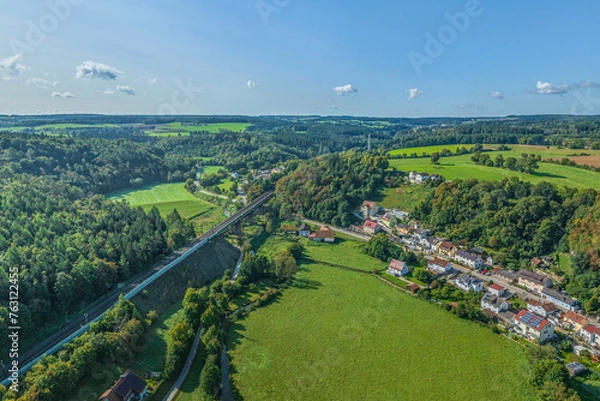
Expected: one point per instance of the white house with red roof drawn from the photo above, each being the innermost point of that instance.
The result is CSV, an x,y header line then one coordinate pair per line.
x,y
371,227
369,209
439,265
533,327
397,268
590,333
542,309
496,289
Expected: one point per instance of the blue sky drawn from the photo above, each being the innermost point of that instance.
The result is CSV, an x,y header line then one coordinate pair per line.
x,y
300,57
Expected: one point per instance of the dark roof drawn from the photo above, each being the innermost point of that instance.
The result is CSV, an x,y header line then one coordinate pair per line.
x,y
128,382
559,296
529,319
304,227
532,276
467,255
324,234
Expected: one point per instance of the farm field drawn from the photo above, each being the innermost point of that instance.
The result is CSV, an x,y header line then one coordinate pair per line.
x,y
343,252
177,129
405,198
340,335
516,150
461,167
168,197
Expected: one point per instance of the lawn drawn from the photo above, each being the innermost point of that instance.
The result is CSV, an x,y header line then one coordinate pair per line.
x,y
343,252
405,198
339,335
515,150
169,197
176,129
461,167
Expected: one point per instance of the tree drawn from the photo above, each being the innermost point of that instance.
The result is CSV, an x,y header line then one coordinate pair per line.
x,y
285,266
380,247
435,157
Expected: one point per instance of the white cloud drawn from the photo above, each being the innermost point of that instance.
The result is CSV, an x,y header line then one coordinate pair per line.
x,y
91,69
414,93
126,89
497,95
41,83
152,81
586,85
65,95
108,92
345,89
546,88
251,84
11,67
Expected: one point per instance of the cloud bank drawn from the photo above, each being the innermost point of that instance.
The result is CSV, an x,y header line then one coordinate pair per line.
x,y
345,89
93,70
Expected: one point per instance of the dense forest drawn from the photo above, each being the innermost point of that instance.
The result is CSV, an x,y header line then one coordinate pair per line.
x,y
70,248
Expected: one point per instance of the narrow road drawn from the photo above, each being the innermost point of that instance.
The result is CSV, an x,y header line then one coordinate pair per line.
x,y
186,368
226,390
236,271
361,237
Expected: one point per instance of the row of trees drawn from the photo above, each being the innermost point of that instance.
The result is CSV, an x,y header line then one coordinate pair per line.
x,y
526,164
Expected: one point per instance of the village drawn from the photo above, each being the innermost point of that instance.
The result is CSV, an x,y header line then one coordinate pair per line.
x,y
525,303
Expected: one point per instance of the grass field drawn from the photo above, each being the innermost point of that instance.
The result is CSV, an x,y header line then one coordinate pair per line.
x,y
339,335
176,129
52,127
405,198
168,197
344,253
461,167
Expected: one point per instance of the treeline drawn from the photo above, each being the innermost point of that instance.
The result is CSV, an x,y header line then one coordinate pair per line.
x,y
328,188
92,164
526,164
71,249
113,339
549,375
517,221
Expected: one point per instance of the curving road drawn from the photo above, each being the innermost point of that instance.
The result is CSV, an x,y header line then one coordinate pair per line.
x,y
81,324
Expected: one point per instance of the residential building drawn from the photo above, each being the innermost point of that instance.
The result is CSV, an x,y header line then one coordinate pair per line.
x,y
494,303
446,248
428,243
541,309
560,299
471,260
533,281
439,265
418,178
369,209
507,275
469,283
404,229
533,327
576,369
325,234
397,268
574,321
129,387
419,233
371,227
496,289
288,228
590,333
402,215
387,219
304,230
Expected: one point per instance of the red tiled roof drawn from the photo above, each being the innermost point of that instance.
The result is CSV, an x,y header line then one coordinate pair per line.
x,y
540,326
574,317
439,262
592,329
496,287
397,265
323,234
370,224
369,204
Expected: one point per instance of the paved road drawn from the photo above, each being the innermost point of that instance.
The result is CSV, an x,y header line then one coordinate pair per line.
x,y
81,324
236,271
186,368
362,237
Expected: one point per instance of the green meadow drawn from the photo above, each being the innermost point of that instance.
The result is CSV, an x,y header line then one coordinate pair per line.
x,y
341,335
461,167
178,129
168,197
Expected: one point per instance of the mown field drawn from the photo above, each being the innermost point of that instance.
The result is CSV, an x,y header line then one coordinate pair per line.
x,y
343,252
461,167
177,129
58,127
168,197
340,335
405,198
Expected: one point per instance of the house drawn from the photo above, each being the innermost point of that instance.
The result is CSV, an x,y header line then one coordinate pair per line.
x,y
572,320
419,233
533,327
494,303
129,387
496,289
575,369
371,227
560,299
541,309
402,215
387,219
418,178
471,260
325,234
533,281
428,243
446,248
469,283
404,229
439,265
507,275
508,316
304,230
590,333
369,209
397,268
